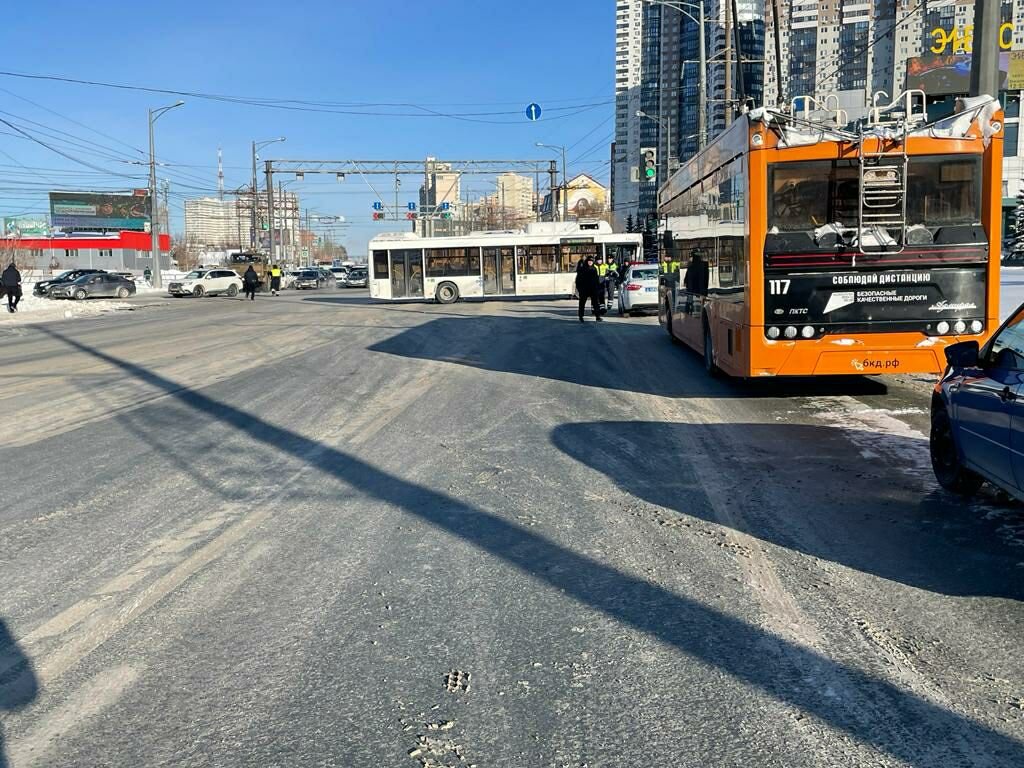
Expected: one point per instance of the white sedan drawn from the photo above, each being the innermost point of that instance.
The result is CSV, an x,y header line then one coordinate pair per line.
x,y
639,289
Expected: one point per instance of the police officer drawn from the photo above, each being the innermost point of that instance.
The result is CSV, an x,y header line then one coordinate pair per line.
x,y
612,273
275,279
588,286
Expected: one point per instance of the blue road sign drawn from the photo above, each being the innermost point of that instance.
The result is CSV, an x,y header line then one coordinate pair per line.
x,y
411,206
533,111
378,205
445,205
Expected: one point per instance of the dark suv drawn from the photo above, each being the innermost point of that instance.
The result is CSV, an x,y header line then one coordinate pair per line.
x,y
42,288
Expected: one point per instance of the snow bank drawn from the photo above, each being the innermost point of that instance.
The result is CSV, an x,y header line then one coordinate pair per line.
x,y
35,309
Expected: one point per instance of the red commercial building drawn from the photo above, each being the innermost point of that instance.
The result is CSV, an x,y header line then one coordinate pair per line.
x,y
120,251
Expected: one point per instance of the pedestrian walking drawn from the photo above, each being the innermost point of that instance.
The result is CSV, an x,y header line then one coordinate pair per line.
x,y
250,281
588,286
275,280
11,281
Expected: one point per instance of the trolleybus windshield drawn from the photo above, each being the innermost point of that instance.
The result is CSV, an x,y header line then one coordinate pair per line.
x,y
942,191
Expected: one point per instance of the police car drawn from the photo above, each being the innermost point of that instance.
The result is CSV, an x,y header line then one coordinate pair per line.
x,y
638,290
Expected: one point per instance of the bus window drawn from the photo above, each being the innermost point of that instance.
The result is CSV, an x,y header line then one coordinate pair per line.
x,y
806,195
380,264
944,191
453,262
537,259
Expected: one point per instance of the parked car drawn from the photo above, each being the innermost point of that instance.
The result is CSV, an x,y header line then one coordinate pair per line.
x,y
639,289
94,285
977,430
206,282
308,278
42,288
357,278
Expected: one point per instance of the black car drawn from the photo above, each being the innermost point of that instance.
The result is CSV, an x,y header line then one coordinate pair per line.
x,y
42,288
94,285
308,278
357,277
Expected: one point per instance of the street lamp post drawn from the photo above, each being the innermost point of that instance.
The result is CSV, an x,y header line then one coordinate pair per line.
x,y
565,184
154,215
256,145
702,107
667,125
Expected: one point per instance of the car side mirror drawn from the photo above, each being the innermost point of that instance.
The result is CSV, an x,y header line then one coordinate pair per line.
x,y
963,354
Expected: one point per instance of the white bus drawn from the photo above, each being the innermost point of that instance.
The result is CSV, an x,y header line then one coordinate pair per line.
x,y
540,261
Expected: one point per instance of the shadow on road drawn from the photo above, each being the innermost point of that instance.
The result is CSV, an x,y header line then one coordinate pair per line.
x,y
609,356
18,684
792,485
911,729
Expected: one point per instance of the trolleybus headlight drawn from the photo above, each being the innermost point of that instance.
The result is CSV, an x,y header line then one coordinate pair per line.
x,y
807,332
773,332
959,326
996,126
790,332
976,326
942,327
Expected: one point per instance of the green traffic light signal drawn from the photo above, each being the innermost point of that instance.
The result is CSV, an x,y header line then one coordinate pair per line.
x,y
649,173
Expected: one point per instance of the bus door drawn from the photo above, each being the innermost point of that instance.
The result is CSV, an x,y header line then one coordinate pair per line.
x,y
499,271
406,274
574,250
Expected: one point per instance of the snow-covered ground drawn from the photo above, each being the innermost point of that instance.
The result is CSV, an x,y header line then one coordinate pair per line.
x,y
34,309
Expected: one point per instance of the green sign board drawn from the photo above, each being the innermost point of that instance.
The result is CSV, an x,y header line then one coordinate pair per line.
x,y
21,226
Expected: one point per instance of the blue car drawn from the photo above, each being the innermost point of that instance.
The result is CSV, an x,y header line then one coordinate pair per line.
x,y
977,431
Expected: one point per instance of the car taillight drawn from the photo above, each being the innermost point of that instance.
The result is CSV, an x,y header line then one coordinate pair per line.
x,y
633,286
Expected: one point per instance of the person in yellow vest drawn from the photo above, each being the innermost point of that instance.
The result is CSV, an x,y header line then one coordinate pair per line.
x,y
602,276
275,279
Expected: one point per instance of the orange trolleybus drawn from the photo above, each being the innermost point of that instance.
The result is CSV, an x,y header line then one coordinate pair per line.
x,y
807,246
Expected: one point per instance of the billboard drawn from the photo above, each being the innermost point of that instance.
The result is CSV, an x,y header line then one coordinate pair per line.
x,y
100,210
22,226
946,74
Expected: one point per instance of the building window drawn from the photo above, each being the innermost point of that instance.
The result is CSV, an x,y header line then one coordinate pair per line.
x,y
106,253
1010,140
70,253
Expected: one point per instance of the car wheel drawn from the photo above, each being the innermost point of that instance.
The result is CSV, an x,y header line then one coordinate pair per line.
x,y
198,291
81,294
232,290
946,464
122,293
446,293
709,351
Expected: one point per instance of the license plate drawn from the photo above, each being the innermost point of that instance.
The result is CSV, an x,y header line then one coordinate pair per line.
x,y
650,290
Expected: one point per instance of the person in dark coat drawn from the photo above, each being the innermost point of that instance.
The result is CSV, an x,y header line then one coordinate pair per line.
x,y
588,286
250,281
11,281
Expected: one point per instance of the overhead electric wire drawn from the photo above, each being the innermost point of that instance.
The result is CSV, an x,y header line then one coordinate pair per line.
x,y
312,106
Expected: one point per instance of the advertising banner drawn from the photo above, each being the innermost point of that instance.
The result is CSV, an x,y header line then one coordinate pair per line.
x,y
97,210
948,74
23,226
849,301
1015,77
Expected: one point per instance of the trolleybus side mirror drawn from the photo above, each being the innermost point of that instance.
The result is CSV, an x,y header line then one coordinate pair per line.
x,y
963,354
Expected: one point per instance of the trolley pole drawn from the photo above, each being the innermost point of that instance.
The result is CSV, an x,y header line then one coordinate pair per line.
x,y
553,173
985,58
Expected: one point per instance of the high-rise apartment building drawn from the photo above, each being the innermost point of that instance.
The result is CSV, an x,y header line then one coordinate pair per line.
x,y
219,224
514,194
625,174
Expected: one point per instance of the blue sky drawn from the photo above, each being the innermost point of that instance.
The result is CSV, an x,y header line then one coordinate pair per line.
x,y
458,57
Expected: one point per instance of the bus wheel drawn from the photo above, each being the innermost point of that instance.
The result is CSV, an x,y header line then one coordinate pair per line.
x,y
446,293
668,324
709,352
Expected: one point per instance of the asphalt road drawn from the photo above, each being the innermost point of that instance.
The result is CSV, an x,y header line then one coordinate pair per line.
x,y
314,531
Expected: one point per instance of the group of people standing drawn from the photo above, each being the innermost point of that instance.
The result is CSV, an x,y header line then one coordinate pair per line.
x,y
595,282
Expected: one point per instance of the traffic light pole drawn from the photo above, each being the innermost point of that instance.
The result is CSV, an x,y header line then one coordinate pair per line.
x,y
270,207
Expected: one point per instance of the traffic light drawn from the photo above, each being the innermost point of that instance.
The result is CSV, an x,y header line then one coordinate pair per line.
x,y
648,163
